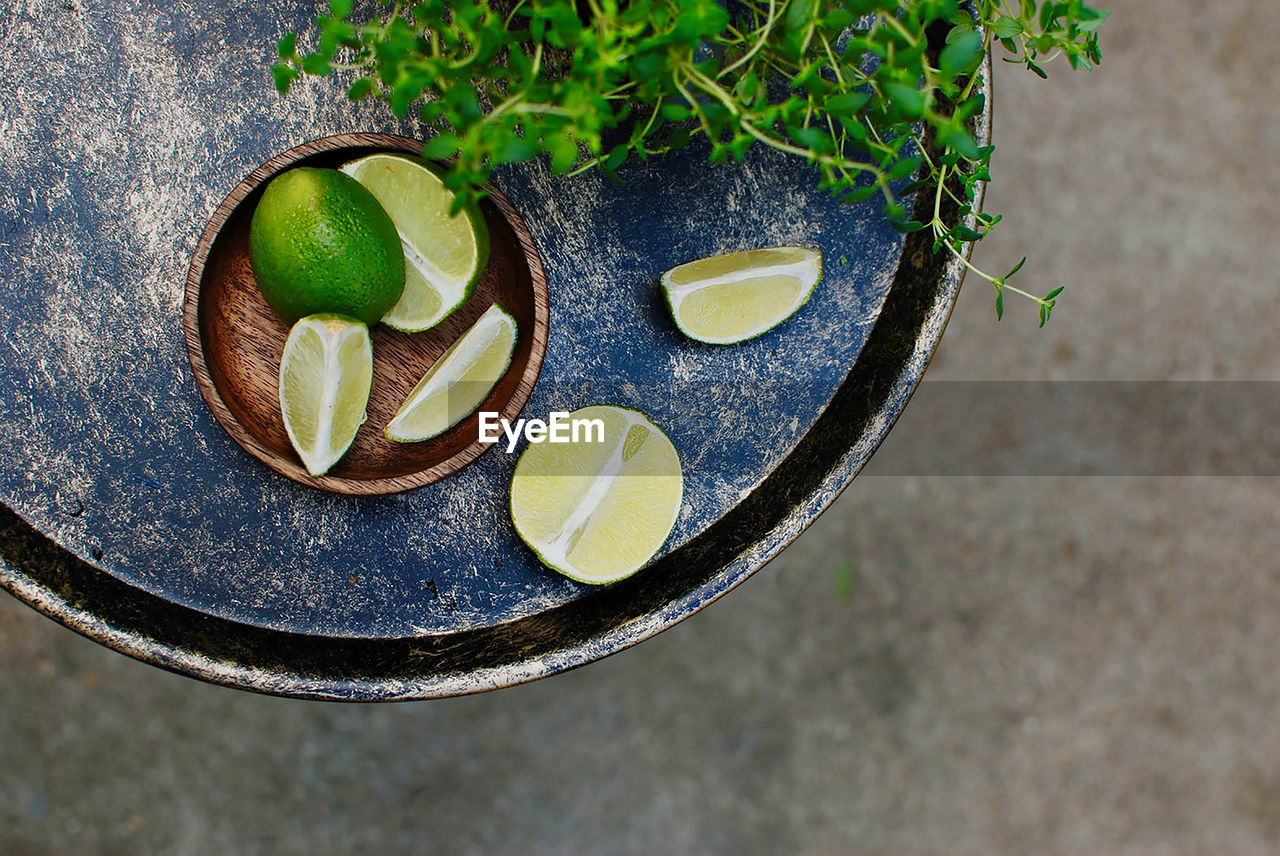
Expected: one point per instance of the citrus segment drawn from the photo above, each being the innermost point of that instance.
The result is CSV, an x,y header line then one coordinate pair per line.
x,y
737,296
326,373
598,511
444,254
458,382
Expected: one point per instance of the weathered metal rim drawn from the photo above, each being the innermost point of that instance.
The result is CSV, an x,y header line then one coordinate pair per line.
x,y
876,389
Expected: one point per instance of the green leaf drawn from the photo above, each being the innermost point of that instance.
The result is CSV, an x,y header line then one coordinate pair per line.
x,y
564,154
961,56
288,46
1006,27
360,88
856,130
1000,304
1088,25
905,167
441,146
959,141
908,99
811,138
283,75
616,157
1051,295
838,19
317,64
514,150
462,103
739,145
431,112
862,194
1079,61
846,580
340,8
800,13
846,104
959,28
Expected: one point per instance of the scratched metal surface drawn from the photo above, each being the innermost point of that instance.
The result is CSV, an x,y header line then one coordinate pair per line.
x,y
124,125
128,515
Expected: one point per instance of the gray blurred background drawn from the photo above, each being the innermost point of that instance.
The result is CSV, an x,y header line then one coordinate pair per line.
x,y
965,664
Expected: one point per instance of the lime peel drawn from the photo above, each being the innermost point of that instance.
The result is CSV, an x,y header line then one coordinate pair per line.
x,y
319,242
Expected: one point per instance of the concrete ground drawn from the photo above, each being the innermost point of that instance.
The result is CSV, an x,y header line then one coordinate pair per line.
x,y
940,665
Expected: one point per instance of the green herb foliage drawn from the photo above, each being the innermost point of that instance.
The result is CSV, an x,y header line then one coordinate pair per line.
x,y
858,88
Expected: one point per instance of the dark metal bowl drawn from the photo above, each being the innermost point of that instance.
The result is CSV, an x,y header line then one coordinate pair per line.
x,y
188,619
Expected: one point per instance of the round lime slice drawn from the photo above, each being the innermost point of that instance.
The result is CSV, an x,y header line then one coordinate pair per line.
x,y
444,255
737,296
599,507
458,382
326,373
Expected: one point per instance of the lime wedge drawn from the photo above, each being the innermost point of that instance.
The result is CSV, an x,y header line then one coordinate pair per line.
x,y
734,297
444,256
458,382
598,511
325,376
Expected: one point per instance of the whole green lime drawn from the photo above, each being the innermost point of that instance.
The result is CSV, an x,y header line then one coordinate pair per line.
x,y
321,242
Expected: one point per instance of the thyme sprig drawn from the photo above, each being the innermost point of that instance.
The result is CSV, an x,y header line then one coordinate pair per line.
x,y
858,88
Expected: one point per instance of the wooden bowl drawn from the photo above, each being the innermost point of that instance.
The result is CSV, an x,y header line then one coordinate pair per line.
x,y
234,340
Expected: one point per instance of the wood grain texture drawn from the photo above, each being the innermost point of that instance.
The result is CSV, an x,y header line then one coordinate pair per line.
x,y
234,340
